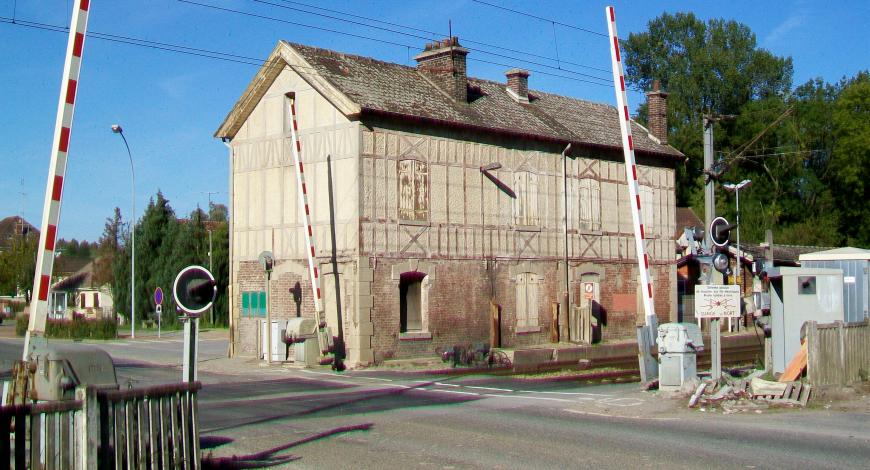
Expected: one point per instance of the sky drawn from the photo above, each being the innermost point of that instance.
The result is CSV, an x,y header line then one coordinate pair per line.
x,y
170,104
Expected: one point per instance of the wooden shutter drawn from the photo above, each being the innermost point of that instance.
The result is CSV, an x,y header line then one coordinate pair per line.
x,y
532,298
522,300
533,198
262,304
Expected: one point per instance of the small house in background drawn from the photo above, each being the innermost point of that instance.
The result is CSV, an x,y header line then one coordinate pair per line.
x,y
77,295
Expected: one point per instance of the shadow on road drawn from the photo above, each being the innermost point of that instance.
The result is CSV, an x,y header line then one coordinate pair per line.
x,y
222,414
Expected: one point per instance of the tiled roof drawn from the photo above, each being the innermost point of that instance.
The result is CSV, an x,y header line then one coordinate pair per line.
x,y
686,218
782,253
383,87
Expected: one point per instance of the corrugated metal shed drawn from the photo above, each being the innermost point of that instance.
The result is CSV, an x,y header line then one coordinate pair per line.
x,y
855,263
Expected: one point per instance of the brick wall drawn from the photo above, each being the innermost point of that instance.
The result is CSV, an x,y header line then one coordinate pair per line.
x,y
458,309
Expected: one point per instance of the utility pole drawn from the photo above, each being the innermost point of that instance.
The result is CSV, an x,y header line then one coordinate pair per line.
x,y
710,177
210,267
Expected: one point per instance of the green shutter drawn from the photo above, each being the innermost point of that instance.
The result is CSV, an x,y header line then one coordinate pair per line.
x,y
262,304
246,304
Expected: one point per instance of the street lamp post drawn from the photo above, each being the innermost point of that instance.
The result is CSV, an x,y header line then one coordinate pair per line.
x,y
736,187
116,128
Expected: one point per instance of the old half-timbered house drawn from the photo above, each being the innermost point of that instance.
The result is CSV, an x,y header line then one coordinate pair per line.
x,y
412,239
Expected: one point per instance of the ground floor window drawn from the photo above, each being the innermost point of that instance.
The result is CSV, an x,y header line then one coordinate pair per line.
x,y
527,299
411,303
254,304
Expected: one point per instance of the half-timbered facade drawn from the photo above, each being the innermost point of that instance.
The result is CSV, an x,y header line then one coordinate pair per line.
x,y
413,240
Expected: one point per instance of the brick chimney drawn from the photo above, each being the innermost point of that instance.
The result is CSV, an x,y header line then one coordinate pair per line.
x,y
518,84
444,63
657,109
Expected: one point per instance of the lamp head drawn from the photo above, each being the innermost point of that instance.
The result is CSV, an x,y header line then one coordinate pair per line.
x,y
116,128
491,166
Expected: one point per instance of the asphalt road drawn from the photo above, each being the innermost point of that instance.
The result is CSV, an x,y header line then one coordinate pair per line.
x,y
479,421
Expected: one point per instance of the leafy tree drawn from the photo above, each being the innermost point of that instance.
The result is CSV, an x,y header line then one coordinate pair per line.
x,y
217,212
18,265
713,67
108,247
850,160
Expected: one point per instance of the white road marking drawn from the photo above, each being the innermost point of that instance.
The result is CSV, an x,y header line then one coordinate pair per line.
x,y
566,393
449,391
525,397
446,385
624,402
605,415
369,378
489,388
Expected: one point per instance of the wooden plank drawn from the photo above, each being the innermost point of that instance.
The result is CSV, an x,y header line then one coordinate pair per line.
x,y
128,426
173,416
165,430
796,366
805,394
152,431
20,439
194,422
5,444
766,388
185,431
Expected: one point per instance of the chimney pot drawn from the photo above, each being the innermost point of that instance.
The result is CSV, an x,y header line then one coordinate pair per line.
x,y
444,62
657,110
518,84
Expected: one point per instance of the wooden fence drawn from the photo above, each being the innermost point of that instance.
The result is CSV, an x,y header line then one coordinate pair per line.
x,y
148,428
52,427
838,353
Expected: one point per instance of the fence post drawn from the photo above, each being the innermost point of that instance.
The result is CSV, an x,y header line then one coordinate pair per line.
x,y
813,352
841,342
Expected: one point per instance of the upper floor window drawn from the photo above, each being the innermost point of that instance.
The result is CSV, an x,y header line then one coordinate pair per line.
x,y
413,190
584,204
647,210
526,203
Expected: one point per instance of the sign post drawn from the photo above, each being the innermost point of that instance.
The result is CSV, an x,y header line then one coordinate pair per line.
x,y
158,311
194,291
715,302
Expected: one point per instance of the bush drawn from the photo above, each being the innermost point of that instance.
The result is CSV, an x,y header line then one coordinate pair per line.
x,y
77,328
21,322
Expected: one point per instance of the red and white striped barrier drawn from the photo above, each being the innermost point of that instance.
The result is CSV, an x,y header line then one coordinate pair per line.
x,y
57,172
313,273
631,172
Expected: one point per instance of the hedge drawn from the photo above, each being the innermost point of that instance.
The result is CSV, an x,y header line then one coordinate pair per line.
x,y
77,328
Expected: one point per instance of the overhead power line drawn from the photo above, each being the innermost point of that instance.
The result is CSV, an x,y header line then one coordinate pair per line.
x,y
415,36
226,56
436,35
548,20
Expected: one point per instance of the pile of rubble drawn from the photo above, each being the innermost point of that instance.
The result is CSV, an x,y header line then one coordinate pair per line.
x,y
749,394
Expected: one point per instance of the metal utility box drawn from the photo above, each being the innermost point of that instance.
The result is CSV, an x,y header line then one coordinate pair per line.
x,y
855,263
798,295
303,332
278,327
678,345
62,368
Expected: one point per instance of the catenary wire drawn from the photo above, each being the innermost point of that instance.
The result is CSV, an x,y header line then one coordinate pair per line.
x,y
548,20
436,35
224,56
416,36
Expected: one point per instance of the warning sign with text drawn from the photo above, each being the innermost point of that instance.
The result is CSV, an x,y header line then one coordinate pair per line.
x,y
717,301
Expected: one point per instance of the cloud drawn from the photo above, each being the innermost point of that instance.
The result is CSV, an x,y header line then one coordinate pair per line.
x,y
794,21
